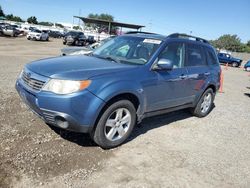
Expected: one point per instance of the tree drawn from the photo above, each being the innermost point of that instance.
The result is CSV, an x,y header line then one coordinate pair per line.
x,y
32,20
102,16
13,18
46,23
228,42
59,25
76,28
248,43
1,11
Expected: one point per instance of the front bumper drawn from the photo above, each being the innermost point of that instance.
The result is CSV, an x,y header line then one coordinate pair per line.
x,y
75,112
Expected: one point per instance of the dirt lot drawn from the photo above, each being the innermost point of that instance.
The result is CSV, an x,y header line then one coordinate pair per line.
x,y
174,150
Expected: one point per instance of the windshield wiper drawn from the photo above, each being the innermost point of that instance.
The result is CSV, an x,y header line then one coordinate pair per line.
x,y
111,59
107,58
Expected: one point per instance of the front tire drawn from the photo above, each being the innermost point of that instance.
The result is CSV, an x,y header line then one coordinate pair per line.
x,y
115,124
235,64
204,106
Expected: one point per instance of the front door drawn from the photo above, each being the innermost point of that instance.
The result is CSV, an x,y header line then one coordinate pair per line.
x,y
170,88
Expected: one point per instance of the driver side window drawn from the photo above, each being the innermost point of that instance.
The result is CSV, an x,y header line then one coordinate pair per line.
x,y
175,53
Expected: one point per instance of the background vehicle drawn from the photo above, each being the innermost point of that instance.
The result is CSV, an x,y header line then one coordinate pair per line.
x,y
225,58
55,34
90,40
10,31
36,34
247,66
125,80
84,50
75,38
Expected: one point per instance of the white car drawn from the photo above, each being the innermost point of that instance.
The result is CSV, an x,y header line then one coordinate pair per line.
x,y
36,34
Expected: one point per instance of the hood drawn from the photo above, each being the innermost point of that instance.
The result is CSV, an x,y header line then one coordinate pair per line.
x,y
236,59
76,67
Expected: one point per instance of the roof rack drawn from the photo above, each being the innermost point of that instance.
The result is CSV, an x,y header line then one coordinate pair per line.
x,y
183,35
138,32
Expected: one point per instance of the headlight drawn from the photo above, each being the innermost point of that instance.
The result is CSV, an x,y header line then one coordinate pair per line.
x,y
66,86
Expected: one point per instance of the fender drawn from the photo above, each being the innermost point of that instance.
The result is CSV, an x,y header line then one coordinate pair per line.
x,y
202,90
109,90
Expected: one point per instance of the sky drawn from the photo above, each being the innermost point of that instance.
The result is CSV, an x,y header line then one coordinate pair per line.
x,y
208,19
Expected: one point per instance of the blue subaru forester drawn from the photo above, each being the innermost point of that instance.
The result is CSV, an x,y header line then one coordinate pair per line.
x,y
129,78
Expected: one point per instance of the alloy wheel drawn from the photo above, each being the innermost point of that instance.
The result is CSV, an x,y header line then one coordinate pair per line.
x,y
118,123
207,101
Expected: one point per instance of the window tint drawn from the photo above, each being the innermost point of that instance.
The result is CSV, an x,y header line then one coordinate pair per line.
x,y
175,53
211,57
195,56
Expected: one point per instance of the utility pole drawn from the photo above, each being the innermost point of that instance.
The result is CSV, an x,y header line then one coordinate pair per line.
x,y
80,12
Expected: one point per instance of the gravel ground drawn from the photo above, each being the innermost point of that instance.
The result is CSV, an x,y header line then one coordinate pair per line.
x,y
174,150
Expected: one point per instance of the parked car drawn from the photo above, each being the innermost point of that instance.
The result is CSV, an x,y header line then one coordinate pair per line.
x,y
84,50
55,34
247,66
75,38
9,30
90,40
225,58
36,34
127,79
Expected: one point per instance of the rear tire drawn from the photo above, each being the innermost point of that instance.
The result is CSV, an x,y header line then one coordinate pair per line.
x,y
115,124
248,69
204,106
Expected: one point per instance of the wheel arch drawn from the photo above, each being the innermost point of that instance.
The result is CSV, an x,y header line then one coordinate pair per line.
x,y
133,98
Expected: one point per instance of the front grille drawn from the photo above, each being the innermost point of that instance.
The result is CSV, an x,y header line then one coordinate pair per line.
x,y
32,82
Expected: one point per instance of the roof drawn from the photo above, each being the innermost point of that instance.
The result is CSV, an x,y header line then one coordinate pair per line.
x,y
175,36
104,22
147,35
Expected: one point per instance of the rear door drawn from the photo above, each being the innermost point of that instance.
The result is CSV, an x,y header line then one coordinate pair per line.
x,y
198,71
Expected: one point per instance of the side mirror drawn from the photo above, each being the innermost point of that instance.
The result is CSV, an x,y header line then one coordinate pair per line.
x,y
164,64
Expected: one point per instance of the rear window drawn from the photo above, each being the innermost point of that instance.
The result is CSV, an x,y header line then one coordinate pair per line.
x,y
194,56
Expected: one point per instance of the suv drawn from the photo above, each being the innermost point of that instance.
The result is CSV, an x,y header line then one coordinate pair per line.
x,y
9,30
36,34
75,38
125,80
225,58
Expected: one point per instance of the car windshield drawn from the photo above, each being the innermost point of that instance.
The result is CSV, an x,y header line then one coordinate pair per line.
x,y
128,49
37,31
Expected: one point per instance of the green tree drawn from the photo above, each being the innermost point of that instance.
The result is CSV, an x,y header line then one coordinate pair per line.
x,y
76,28
248,43
13,18
1,11
59,25
46,23
102,16
32,20
228,42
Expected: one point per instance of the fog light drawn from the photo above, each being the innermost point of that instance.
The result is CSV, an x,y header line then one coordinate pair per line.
x,y
62,122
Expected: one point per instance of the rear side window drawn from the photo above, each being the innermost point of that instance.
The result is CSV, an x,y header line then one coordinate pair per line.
x,y
194,56
211,57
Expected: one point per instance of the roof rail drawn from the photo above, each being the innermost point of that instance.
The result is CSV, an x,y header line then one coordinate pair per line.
x,y
138,32
183,35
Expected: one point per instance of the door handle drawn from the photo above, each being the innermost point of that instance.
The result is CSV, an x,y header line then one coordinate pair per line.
x,y
183,76
207,73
